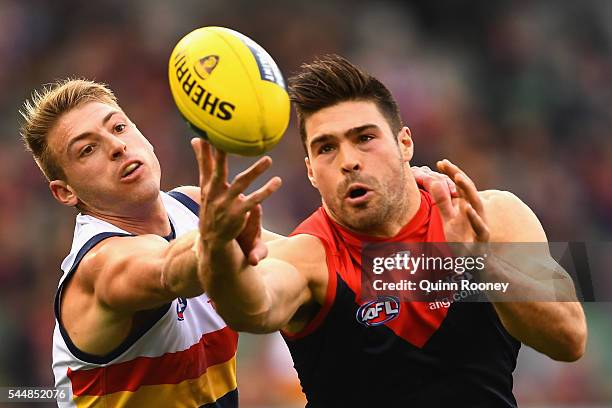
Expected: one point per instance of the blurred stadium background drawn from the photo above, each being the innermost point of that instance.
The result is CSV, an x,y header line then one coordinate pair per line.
x,y
518,93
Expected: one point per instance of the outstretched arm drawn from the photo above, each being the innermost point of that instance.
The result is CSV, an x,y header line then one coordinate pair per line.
x,y
127,274
553,323
251,293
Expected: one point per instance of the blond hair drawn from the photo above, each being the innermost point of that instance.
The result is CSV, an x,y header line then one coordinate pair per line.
x,y
45,107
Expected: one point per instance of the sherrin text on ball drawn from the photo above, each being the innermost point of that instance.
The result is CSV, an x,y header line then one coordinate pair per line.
x,y
230,90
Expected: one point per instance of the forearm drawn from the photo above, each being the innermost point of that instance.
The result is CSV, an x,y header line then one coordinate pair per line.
x,y
237,288
542,314
556,329
179,270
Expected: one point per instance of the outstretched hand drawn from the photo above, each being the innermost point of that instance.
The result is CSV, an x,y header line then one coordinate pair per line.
x,y
464,217
226,213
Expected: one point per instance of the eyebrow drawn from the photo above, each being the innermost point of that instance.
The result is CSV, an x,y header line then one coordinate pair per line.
x,y
356,130
86,134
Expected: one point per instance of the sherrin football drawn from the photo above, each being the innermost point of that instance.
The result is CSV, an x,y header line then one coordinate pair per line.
x,y
230,90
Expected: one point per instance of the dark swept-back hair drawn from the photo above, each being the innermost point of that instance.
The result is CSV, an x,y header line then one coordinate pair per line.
x,y
332,79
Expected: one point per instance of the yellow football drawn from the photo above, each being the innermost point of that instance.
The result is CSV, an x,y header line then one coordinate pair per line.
x,y
230,90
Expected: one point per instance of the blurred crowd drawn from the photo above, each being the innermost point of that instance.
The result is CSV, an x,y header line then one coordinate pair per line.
x,y
516,92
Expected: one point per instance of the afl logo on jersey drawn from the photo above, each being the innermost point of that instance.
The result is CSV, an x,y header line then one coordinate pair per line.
x,y
181,305
379,311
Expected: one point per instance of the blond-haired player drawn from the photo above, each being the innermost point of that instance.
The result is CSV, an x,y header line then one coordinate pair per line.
x,y
133,325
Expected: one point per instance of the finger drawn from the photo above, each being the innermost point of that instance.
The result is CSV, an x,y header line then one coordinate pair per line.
x,y
452,187
219,173
421,174
198,150
203,154
243,180
449,168
259,250
207,167
443,200
469,192
421,177
246,238
478,225
258,196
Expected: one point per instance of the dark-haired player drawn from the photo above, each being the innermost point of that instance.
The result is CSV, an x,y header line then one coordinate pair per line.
x,y
133,326
358,157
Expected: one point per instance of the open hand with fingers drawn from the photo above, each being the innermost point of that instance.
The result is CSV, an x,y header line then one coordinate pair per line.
x,y
226,212
464,217
427,178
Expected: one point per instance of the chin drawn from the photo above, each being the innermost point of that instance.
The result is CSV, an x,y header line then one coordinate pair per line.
x,y
362,220
146,191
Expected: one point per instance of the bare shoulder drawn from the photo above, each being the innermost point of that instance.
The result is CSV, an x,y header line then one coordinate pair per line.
x,y
510,219
192,192
306,253
500,201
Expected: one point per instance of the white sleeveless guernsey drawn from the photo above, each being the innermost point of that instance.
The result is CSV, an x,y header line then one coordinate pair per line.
x,y
185,358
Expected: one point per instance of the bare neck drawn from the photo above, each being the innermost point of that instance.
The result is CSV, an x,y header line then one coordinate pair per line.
x,y
145,218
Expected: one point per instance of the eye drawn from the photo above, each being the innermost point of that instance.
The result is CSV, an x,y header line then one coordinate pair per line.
x,y
326,148
365,138
119,127
87,150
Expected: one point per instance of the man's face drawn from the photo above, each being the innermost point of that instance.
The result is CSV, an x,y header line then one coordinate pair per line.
x,y
357,164
109,165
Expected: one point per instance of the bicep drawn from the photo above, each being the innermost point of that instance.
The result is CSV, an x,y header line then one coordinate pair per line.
x,y
287,290
293,274
126,273
519,239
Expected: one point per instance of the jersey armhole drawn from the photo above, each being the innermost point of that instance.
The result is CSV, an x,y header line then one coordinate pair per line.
x,y
186,201
330,296
132,337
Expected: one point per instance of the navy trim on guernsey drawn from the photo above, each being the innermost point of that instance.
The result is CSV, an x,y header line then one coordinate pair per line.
x,y
229,400
186,201
131,339
172,234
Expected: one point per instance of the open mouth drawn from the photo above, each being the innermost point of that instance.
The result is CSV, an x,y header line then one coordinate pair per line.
x,y
357,192
130,169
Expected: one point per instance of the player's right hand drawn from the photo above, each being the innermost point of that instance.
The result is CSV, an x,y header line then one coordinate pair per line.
x,y
226,213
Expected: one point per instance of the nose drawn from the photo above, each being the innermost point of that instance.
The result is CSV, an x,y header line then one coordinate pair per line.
x,y
117,147
349,160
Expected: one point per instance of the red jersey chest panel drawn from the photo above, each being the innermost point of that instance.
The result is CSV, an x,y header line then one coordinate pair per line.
x,y
415,322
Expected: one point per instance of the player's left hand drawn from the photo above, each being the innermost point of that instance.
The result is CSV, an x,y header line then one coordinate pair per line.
x,y
464,217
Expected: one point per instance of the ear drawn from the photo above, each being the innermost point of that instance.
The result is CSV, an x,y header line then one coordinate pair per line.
x,y
310,173
63,193
404,140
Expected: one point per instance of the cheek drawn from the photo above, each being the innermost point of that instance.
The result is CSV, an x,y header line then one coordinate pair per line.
x,y
326,184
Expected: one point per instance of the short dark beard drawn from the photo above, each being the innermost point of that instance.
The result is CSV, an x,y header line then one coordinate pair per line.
x,y
389,204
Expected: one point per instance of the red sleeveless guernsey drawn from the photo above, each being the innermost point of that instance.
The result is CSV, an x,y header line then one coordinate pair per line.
x,y
422,357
